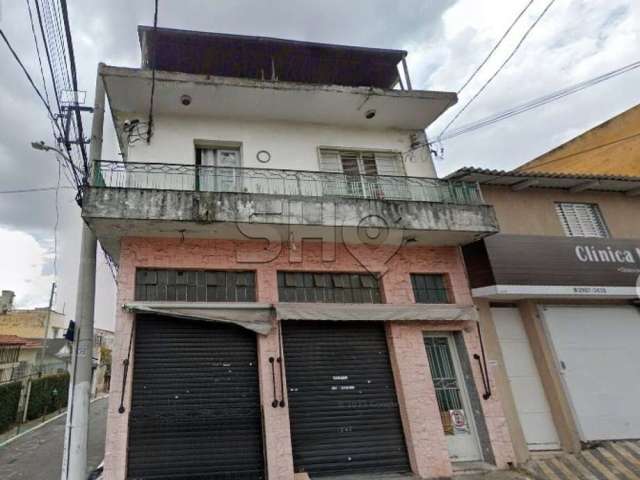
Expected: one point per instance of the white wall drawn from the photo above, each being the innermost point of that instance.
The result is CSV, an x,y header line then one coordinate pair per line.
x,y
292,146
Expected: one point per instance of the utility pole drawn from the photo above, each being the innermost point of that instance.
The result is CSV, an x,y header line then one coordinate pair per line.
x,y
74,462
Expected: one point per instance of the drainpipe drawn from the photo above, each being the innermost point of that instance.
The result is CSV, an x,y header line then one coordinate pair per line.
x,y
74,462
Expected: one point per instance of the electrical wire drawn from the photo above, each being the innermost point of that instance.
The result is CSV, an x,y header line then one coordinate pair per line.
x,y
500,68
55,226
540,101
586,150
33,190
153,73
31,82
74,80
496,46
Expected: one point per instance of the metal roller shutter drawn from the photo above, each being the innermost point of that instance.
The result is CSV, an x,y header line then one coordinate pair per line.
x,y
195,410
342,400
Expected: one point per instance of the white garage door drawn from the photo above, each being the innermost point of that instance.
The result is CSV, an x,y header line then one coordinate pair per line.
x,y
531,403
598,351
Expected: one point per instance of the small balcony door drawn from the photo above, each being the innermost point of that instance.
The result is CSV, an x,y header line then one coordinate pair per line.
x,y
217,169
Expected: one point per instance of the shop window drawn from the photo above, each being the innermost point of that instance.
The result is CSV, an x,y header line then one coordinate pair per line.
x,y
194,286
312,287
430,288
582,220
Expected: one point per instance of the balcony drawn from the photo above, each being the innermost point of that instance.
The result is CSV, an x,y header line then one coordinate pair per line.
x,y
289,183
159,199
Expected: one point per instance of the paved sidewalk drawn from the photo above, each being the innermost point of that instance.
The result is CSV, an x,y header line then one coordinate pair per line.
x,y
607,461
37,455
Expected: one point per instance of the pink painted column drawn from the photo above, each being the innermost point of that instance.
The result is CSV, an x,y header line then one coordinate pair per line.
x,y
115,461
277,430
426,442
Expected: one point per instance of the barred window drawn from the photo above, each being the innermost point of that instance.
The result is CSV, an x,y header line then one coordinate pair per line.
x,y
310,287
430,288
194,286
582,220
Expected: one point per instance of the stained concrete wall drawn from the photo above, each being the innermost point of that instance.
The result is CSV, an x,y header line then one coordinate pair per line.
x,y
292,146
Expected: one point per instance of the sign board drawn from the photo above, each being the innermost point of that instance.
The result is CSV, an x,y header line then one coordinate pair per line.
x,y
587,265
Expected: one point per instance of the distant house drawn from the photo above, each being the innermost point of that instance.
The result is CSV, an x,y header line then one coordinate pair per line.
x,y
20,357
611,148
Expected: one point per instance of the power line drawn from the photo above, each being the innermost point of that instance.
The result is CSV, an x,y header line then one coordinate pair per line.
x,y
74,80
31,82
496,46
497,72
32,190
538,102
586,150
153,73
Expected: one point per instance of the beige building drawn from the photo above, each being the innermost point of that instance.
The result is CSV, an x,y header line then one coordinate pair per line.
x,y
32,323
557,291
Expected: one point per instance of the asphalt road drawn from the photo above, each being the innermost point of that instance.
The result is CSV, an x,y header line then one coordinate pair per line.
x,y
37,455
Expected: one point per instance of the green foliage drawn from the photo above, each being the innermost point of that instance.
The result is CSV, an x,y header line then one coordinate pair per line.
x,y
9,400
48,394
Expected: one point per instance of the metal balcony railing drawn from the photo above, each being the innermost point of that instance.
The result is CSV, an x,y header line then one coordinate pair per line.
x,y
295,183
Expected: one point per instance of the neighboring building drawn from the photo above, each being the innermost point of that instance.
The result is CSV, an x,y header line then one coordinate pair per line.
x,y
558,294
22,357
257,354
611,148
32,323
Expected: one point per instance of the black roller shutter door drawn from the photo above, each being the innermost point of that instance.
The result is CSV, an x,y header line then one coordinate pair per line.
x,y
342,400
195,403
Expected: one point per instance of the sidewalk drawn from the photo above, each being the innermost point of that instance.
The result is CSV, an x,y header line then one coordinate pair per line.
x,y
30,425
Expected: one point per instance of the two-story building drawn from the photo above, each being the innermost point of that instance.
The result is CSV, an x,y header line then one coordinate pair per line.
x,y
292,296
558,293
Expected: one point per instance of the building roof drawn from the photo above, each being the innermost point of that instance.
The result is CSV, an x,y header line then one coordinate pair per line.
x,y
611,148
12,340
242,56
519,180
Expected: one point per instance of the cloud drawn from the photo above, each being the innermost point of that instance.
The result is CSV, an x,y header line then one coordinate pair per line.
x,y
23,270
446,40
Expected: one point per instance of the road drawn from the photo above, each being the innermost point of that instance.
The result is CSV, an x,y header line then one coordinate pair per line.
x,y
37,455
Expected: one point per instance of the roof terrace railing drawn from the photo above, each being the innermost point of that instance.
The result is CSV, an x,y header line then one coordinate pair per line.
x,y
294,183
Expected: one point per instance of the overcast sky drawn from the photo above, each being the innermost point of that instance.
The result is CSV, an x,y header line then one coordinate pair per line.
x,y
446,40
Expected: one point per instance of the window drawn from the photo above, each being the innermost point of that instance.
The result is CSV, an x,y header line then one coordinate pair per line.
x,y
194,286
581,220
361,169
430,288
217,169
312,287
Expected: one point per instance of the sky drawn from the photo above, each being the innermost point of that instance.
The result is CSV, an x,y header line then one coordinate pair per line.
x,y
446,40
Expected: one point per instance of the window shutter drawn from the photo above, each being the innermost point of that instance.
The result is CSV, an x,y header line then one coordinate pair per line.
x,y
330,161
389,164
581,220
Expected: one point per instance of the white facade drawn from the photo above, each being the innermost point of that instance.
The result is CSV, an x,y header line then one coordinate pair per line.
x,y
293,146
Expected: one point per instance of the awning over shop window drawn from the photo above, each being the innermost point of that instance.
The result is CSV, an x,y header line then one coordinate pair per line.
x,y
374,312
257,317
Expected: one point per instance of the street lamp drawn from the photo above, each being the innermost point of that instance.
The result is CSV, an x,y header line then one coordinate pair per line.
x,y
43,147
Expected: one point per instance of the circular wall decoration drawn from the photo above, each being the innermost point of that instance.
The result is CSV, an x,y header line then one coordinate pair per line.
x,y
263,156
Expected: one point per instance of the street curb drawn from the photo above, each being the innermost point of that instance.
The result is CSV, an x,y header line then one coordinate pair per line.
x,y
46,422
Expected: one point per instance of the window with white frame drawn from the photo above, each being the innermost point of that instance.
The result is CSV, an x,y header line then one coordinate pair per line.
x,y
361,171
582,220
217,168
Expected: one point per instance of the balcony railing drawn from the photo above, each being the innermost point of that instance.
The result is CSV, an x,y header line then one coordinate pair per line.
x,y
295,183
